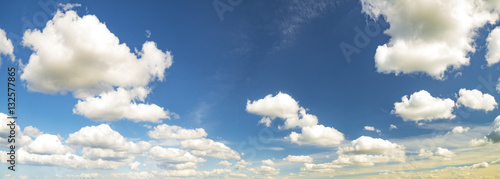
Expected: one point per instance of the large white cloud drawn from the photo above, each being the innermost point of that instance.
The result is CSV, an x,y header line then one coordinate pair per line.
x,y
475,99
80,55
173,158
74,52
428,36
209,148
422,106
165,131
318,135
6,47
493,47
119,104
366,151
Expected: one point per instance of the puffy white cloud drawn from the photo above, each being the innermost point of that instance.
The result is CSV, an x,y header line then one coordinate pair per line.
x,y
493,47
475,99
422,106
225,163
173,158
299,158
367,151
106,154
119,104
32,131
459,129
268,162
134,165
371,128
282,105
6,47
80,55
74,52
21,139
480,165
318,135
209,148
69,6
439,153
165,131
428,36
242,164
48,144
103,137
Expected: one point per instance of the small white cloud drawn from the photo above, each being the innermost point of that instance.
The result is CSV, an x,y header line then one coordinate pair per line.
x,y
422,106
268,162
148,33
165,131
317,135
475,99
480,165
209,148
134,165
299,159
392,126
69,6
371,128
459,129
32,131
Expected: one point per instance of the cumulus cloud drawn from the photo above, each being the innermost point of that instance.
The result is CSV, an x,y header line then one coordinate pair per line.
x,y
366,151
422,106
165,131
134,165
6,47
459,129
439,153
173,158
493,47
428,36
209,148
371,128
320,168
318,135
119,104
284,106
80,55
299,159
268,162
103,137
475,99
32,131
264,171
48,144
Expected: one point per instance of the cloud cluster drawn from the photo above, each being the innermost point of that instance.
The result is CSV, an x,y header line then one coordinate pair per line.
x,y
422,106
284,106
366,151
475,99
80,55
439,153
165,131
298,158
429,36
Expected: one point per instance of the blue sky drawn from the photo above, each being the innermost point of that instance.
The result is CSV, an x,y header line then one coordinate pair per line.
x,y
264,89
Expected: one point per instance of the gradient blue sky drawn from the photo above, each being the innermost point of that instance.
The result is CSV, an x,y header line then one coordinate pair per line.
x,y
263,48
